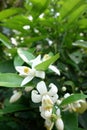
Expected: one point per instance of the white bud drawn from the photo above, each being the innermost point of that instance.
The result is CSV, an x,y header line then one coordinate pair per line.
x,y
15,97
63,88
28,89
59,124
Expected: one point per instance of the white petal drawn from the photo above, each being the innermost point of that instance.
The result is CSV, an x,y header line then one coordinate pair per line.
x,y
49,124
47,103
41,87
26,80
53,89
15,97
21,69
36,98
53,68
59,124
36,61
40,74
66,95
58,112
48,113
54,98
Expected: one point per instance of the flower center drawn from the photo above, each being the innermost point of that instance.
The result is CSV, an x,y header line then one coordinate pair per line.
x,y
26,70
47,104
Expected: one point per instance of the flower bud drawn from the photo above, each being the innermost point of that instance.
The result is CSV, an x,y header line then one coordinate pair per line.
x,y
28,89
15,97
83,107
59,124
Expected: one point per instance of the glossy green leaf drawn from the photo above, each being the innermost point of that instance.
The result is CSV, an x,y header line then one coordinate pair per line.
x,y
73,98
7,67
81,43
38,6
12,108
25,55
17,22
18,61
76,56
69,6
6,42
9,12
70,121
77,13
44,65
82,23
10,80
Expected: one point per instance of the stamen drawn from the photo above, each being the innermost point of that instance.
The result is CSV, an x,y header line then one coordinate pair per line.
x,y
26,70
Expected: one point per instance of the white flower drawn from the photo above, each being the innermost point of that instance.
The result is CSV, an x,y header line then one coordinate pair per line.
x,y
59,124
46,107
16,95
38,94
30,73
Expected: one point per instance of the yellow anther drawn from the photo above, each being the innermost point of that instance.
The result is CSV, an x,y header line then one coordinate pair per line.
x,y
26,70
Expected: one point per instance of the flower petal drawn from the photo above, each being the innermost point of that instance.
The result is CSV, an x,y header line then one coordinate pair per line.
x,y
53,68
41,87
26,80
54,98
59,124
58,112
40,74
36,61
36,98
23,70
53,89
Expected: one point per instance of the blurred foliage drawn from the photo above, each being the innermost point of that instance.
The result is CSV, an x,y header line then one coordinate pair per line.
x,y
40,27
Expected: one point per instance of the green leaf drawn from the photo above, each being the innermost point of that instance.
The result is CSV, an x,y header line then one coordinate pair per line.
x,y
7,67
69,6
9,12
44,65
76,56
5,41
10,80
75,14
12,108
18,61
70,121
38,6
82,23
25,55
73,98
82,44
17,22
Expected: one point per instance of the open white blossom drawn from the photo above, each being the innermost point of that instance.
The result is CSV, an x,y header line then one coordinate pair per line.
x,y
45,57
30,73
41,91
